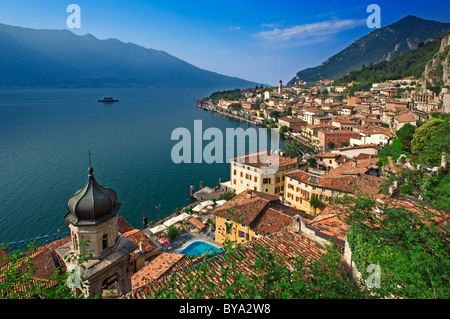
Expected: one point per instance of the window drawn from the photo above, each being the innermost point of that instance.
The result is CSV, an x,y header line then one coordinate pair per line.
x,y
105,241
255,179
242,234
242,174
266,181
234,172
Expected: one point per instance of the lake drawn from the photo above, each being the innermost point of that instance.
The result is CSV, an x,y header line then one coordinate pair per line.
x,y
45,135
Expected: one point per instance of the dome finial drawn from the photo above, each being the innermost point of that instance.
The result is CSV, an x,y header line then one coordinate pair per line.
x,y
90,169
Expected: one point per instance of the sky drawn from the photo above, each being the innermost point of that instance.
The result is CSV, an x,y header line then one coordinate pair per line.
x,y
261,41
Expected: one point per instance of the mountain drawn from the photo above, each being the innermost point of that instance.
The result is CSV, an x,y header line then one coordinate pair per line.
x,y
59,58
412,63
437,70
383,44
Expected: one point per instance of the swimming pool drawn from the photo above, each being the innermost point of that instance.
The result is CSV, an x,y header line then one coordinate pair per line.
x,y
198,248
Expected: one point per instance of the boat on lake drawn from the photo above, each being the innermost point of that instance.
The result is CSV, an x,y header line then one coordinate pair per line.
x,y
108,100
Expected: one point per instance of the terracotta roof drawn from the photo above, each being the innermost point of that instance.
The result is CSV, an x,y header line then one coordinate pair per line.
x,y
404,118
366,184
159,266
245,207
254,160
263,213
198,224
440,217
139,237
331,221
377,147
283,244
291,120
123,225
362,167
46,261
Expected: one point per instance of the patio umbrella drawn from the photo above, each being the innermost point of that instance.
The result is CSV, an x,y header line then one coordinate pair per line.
x,y
170,222
221,202
181,217
163,240
207,203
157,229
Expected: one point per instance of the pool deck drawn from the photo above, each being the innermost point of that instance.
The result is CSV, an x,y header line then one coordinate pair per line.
x,y
196,237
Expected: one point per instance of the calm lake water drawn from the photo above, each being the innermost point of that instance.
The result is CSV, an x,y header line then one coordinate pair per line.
x,y
45,135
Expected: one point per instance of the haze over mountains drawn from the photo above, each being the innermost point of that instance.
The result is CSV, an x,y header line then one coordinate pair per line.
x,y
383,44
59,58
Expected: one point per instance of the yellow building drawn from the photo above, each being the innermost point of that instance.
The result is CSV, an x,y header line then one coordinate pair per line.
x,y
249,172
250,215
349,178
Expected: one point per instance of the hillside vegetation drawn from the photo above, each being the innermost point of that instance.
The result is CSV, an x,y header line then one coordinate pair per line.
x,y
410,64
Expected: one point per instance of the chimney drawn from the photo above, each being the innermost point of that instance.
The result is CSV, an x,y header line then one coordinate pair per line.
x,y
249,195
141,247
355,163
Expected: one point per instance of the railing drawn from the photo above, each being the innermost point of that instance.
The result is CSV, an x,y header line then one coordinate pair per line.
x,y
23,245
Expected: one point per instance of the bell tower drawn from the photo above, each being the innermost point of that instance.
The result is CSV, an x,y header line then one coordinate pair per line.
x,y
92,217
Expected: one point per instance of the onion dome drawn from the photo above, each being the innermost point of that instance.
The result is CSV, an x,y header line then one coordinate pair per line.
x,y
92,204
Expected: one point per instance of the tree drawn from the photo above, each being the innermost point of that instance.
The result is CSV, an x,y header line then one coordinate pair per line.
x,y
274,114
18,276
405,135
312,162
267,276
410,247
227,196
426,140
315,203
173,232
284,129
330,145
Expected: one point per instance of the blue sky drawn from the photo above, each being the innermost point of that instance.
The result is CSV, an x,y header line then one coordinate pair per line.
x,y
263,41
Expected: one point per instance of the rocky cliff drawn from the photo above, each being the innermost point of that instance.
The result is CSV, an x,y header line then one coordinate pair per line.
x,y
437,71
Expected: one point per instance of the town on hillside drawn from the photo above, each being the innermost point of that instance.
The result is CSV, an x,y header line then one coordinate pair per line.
x,y
344,146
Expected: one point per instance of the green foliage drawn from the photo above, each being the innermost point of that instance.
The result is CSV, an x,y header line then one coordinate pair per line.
x,y
18,277
406,134
284,129
173,232
235,106
331,145
230,95
411,63
269,277
410,248
226,196
296,149
394,150
428,140
315,202
274,114
312,162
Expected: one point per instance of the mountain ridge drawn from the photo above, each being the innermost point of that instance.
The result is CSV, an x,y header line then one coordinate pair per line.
x,y
59,58
383,44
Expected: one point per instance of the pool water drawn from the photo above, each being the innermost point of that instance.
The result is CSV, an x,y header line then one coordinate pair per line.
x,y
198,248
